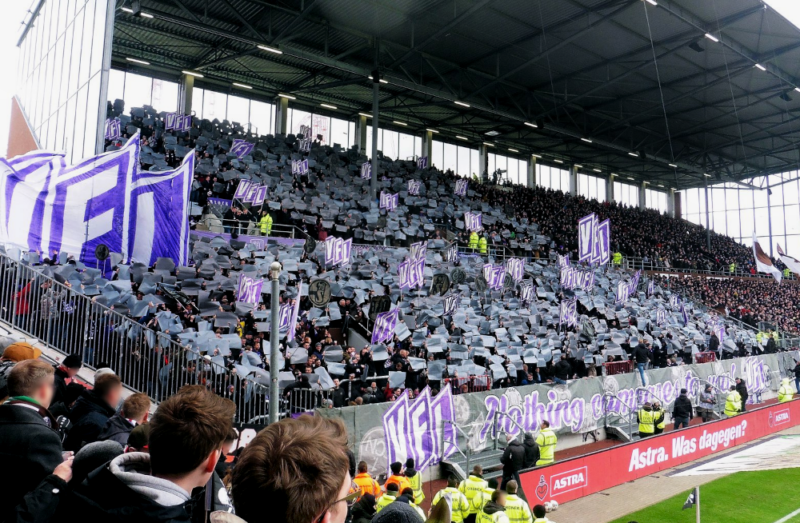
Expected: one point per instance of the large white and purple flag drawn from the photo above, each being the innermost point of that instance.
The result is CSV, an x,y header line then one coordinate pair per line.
x,y
413,187
169,121
410,273
473,221
287,319
260,195
568,313
586,230
601,252
337,251
249,290
242,190
461,187
366,170
385,323
241,148
183,122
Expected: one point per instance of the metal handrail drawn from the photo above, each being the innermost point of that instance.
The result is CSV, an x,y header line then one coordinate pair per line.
x,y
631,411
496,434
468,455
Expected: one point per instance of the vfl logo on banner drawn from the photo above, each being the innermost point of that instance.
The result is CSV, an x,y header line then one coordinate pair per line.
x,y
250,196
169,121
260,195
451,302
337,251
242,189
183,123
113,129
366,170
473,221
241,148
249,289
461,187
389,201
626,289
419,250
563,261
413,187
452,253
661,317
516,268
410,273
417,429
385,323
594,240
299,167
675,302
527,292
422,162
568,314
304,145
494,275
572,278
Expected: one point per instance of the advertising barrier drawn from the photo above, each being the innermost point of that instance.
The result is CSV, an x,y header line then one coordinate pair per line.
x,y
602,470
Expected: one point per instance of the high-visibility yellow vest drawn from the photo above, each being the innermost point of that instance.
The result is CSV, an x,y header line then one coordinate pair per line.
x,y
786,392
416,486
660,414
482,244
786,272
497,517
547,446
472,488
473,240
384,502
733,404
617,260
460,505
732,268
647,420
517,510
419,511
265,224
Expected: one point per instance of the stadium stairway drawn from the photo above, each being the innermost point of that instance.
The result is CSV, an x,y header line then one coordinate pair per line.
x,y
459,466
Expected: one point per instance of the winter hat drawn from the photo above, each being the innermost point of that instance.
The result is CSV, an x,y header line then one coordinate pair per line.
x,y
397,513
21,351
139,437
396,468
93,456
73,361
100,372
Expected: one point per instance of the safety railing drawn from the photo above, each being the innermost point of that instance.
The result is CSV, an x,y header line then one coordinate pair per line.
x,y
705,357
617,367
467,453
147,360
496,427
627,418
470,384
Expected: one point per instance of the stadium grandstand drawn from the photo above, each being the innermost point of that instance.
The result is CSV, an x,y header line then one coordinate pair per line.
x,y
421,243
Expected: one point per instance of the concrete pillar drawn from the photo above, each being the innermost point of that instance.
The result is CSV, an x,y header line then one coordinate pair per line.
x,y
573,180
671,203
361,134
610,196
642,196
532,172
185,91
483,162
708,219
281,115
427,146
376,93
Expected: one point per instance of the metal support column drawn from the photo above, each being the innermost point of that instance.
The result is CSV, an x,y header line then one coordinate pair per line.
x,y
643,196
427,146
376,92
275,272
671,203
281,115
708,219
532,172
769,216
361,134
610,195
185,92
573,180
483,163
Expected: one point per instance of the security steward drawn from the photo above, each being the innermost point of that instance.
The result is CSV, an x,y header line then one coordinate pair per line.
x,y
733,403
495,510
617,259
547,445
473,488
517,509
482,245
647,421
459,506
786,392
265,223
392,493
661,418
473,240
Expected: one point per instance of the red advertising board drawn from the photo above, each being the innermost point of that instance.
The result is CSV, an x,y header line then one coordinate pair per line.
x,y
581,476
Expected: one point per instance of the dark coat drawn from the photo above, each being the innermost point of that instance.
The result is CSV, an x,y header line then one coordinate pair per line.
x,y
563,370
60,386
364,509
741,388
531,451
713,343
682,407
116,429
89,415
29,452
513,459
641,354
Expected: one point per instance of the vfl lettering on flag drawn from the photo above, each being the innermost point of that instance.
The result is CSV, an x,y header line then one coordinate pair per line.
x,y
305,131
602,239
473,221
651,288
260,195
718,328
183,123
563,261
337,251
249,290
169,121
418,429
419,250
385,323
113,129
242,189
366,170
241,148
300,167
684,315
413,187
527,292
461,187
389,201
626,289
451,303
452,253
516,268
586,238
572,278
661,317
304,145
422,162
494,275
568,313
251,193
675,302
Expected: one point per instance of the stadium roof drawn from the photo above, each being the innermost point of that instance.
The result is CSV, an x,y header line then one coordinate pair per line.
x,y
582,71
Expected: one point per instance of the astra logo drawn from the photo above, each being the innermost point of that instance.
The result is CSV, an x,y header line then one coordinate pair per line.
x,y
782,416
568,481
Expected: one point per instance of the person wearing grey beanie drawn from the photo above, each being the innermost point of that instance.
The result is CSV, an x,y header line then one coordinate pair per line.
x,y
397,513
93,456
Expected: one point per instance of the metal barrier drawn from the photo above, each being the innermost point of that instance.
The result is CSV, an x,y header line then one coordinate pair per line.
x,y
146,360
470,384
705,357
617,367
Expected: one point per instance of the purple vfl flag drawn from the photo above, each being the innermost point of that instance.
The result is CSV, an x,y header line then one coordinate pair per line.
x,y
242,189
451,302
169,121
417,268
385,324
337,251
563,261
516,268
452,253
251,193
389,201
461,187
527,292
419,250
249,289
569,313
241,148
260,195
300,167
113,129
586,238
422,162
404,274
473,221
661,317
366,170
603,241
187,123
413,187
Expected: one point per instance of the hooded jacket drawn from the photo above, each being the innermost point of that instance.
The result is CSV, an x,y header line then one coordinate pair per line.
x,y
88,417
364,509
494,512
116,429
531,451
513,458
123,491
